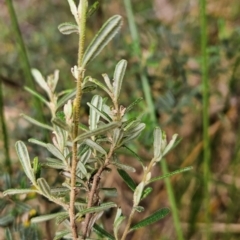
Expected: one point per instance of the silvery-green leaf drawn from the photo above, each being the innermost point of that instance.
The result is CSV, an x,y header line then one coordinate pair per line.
x,y
58,191
94,115
146,192
44,187
127,179
102,207
130,124
171,174
157,142
101,113
107,81
118,77
23,156
73,8
124,167
41,81
118,214
37,142
55,151
136,129
138,193
61,136
60,123
158,215
102,38
18,191
132,105
98,83
82,168
95,146
65,98
37,95
54,163
46,217
134,133
170,144
99,130
117,224
68,28
52,80
117,136
37,123
103,234
85,156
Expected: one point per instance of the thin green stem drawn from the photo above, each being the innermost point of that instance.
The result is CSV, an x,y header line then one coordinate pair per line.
x,y
205,117
76,115
150,104
24,57
8,163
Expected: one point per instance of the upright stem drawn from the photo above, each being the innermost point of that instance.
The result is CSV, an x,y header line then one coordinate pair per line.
x,y
205,90
8,163
76,114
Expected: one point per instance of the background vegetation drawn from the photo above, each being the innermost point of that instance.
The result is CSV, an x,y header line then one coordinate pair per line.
x,y
169,35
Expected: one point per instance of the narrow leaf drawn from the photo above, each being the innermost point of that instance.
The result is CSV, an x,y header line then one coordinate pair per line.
x,y
41,81
127,179
102,114
65,98
54,163
132,105
73,7
151,219
118,77
157,135
37,95
18,191
124,167
82,168
60,123
68,28
44,187
102,38
103,233
95,146
102,207
98,83
138,193
117,224
171,174
45,217
55,151
23,156
37,123
37,142
97,102
170,144
99,130
146,192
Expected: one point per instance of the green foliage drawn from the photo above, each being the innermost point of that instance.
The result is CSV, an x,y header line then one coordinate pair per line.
x,y
83,153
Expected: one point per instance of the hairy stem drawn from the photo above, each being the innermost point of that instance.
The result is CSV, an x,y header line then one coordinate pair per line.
x,y
76,115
